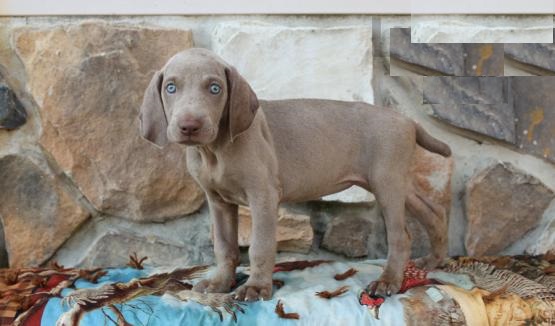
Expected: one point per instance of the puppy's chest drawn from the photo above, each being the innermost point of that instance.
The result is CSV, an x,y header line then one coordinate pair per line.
x,y
229,189
215,177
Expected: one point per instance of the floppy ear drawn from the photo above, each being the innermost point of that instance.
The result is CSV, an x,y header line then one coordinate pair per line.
x,y
153,118
242,103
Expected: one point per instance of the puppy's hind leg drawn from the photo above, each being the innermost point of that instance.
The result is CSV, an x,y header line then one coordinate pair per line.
x,y
390,192
434,219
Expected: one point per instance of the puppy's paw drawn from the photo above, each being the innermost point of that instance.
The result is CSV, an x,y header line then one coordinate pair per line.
x,y
213,285
254,292
386,285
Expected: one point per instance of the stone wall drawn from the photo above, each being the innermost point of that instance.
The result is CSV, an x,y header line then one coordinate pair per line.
x,y
80,187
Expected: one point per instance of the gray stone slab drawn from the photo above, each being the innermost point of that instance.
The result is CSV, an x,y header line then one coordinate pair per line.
x,y
113,249
496,121
479,104
534,105
440,59
12,112
540,57
465,90
451,59
483,59
108,241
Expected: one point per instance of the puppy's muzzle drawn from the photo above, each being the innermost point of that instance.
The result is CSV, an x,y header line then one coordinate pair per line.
x,y
190,127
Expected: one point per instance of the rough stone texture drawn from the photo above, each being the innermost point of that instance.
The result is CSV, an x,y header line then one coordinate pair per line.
x,y
294,232
538,241
12,112
113,249
444,58
482,29
545,242
109,241
37,214
502,204
520,114
514,68
89,80
348,235
483,59
535,55
352,195
465,90
478,104
534,105
496,121
315,65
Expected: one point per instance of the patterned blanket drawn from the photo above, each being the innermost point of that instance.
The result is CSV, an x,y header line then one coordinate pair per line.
x,y
465,291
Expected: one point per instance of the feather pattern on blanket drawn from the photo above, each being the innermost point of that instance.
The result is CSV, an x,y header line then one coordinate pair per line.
x,y
489,290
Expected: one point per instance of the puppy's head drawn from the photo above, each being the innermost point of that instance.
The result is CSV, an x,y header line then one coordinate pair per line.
x,y
196,98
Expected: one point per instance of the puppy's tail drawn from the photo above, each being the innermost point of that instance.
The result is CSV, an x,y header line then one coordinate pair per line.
x,y
430,143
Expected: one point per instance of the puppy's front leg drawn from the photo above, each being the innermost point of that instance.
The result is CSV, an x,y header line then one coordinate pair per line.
x,y
226,247
262,251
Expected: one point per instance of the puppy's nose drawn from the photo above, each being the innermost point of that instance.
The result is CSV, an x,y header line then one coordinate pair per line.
x,y
190,127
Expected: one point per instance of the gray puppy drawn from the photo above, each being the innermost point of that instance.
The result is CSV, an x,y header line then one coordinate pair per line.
x,y
245,151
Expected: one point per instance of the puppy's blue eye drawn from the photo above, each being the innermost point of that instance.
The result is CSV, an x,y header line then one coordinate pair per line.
x,y
215,89
171,88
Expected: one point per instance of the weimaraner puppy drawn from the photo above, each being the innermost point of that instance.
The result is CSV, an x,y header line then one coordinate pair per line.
x,y
246,151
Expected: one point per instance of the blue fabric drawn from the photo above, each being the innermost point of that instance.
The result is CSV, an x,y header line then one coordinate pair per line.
x,y
297,295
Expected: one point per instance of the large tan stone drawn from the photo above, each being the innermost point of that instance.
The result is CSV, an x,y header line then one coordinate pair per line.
x,y
294,232
37,215
502,204
89,80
